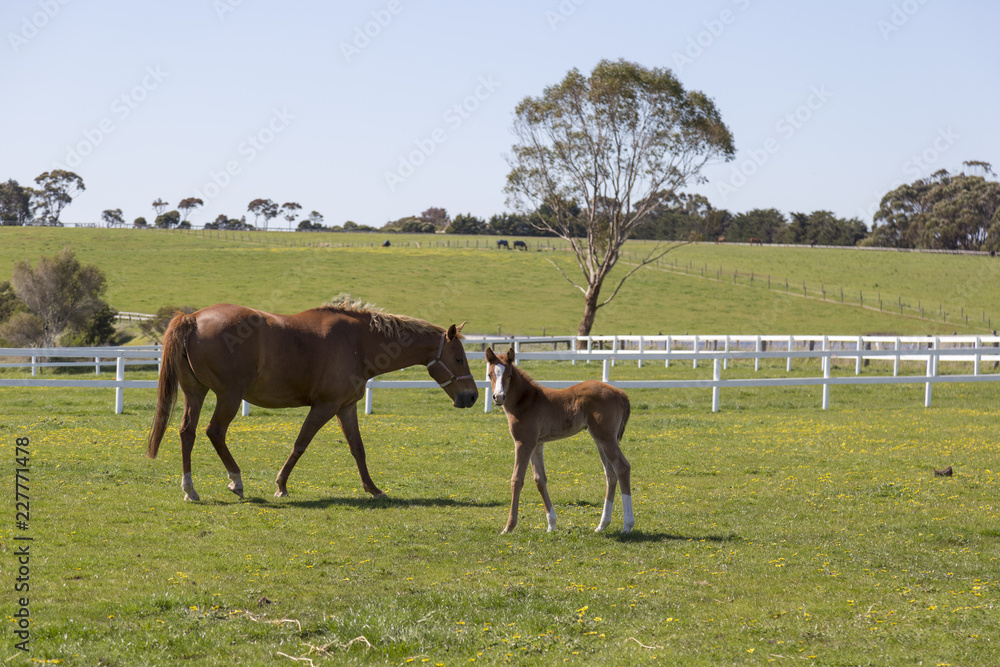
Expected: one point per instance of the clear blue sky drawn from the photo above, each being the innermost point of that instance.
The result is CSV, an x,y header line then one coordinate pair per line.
x,y
831,103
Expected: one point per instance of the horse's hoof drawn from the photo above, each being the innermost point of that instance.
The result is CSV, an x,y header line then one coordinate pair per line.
x,y
237,491
280,494
192,496
600,529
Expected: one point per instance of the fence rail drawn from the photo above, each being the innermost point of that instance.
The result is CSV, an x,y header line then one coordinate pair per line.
x,y
974,351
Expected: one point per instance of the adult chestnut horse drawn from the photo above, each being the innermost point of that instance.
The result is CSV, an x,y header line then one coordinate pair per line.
x,y
320,358
537,414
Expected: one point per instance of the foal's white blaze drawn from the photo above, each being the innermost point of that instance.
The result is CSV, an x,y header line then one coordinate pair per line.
x,y
627,510
609,506
187,485
496,384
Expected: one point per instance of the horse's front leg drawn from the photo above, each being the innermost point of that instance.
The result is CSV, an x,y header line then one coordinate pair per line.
x,y
541,482
522,455
348,417
318,416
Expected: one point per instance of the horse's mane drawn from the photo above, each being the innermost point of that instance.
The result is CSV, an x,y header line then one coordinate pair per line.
x,y
384,323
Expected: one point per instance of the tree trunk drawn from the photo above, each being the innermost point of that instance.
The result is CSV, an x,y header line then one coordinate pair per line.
x,y
589,313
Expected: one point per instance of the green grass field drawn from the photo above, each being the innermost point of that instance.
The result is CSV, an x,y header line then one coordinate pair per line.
x,y
771,532
522,293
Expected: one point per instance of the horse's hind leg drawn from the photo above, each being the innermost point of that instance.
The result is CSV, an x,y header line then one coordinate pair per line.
x,y
541,481
225,410
194,397
616,469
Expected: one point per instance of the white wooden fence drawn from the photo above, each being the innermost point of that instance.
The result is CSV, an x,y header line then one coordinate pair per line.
x,y
967,353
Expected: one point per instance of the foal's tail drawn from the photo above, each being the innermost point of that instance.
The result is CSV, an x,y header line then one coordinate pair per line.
x,y
627,412
174,354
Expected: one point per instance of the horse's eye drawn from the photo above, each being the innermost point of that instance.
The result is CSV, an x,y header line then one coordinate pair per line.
x,y
459,361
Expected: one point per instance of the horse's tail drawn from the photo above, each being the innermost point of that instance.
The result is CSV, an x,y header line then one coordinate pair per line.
x,y
625,416
174,354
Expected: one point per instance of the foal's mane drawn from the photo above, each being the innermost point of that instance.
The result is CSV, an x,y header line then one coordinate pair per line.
x,y
382,322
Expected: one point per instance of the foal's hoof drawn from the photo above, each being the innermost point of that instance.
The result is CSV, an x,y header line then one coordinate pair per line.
x,y
192,496
237,490
280,493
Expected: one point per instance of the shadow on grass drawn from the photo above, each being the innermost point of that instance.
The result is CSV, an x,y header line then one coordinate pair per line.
x,y
643,536
385,502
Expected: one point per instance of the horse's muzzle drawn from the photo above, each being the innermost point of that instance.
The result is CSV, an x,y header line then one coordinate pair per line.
x,y
498,397
466,399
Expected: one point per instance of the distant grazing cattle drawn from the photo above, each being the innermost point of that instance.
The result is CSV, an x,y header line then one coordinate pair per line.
x,y
386,244
520,245
502,243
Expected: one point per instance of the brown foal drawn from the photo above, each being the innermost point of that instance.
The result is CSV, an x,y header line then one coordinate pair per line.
x,y
537,414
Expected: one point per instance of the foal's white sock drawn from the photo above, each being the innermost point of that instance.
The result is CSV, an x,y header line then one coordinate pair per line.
x,y
627,511
551,516
609,505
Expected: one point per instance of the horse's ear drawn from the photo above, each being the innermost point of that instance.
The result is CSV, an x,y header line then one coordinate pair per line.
x,y
459,327
452,332
491,356
510,356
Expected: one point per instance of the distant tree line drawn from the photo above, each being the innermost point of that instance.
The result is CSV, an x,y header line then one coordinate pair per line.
x,y
943,211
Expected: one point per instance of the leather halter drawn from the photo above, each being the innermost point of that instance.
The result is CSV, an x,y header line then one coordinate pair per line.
x,y
437,360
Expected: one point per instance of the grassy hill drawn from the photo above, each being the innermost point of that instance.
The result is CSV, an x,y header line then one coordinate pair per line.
x,y
699,288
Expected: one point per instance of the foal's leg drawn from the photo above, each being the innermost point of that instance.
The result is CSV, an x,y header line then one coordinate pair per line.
x,y
611,482
616,469
522,455
541,481
318,416
194,397
348,418
226,408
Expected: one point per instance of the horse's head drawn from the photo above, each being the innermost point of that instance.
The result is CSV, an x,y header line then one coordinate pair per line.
x,y
498,373
459,385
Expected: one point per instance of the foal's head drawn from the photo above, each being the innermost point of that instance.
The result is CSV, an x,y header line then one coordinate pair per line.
x,y
499,372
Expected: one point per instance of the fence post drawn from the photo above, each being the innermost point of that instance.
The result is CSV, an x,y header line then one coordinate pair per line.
x,y
694,350
97,365
120,390
368,397
931,371
716,377
756,349
605,371
857,363
725,362
641,345
975,360
895,361
826,373
34,367
614,349
669,347
788,364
